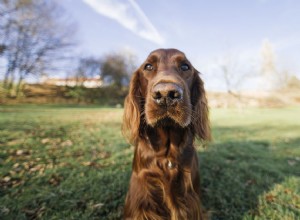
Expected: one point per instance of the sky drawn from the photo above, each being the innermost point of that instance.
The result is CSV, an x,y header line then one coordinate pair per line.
x,y
208,32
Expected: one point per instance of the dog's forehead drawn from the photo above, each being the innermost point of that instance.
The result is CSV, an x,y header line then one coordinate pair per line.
x,y
165,54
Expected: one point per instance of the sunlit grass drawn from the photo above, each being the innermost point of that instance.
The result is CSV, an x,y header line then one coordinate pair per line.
x,y
73,163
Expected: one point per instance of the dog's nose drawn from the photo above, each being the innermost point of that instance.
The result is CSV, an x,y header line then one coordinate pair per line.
x,y
167,93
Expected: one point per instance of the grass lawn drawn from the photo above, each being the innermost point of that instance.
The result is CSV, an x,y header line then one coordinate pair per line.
x,y
73,163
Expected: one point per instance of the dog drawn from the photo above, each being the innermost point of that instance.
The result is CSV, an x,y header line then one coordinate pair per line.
x,y
165,110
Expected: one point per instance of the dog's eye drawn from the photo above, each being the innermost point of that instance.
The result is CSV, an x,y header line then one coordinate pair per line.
x,y
184,67
148,67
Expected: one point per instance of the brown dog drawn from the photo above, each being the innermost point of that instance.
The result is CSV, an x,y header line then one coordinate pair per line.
x,y
165,110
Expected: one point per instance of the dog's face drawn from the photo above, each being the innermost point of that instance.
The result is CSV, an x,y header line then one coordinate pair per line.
x,y
168,77
166,88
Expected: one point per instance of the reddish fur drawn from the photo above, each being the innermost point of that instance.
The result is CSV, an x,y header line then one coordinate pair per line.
x,y
157,191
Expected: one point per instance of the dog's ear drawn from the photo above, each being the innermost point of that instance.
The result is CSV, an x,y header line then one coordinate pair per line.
x,y
200,118
132,110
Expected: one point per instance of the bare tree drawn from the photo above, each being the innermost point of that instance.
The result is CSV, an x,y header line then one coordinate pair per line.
x,y
36,37
269,70
7,22
233,72
272,76
116,69
88,67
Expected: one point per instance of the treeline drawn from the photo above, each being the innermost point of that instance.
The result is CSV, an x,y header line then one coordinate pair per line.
x,y
42,94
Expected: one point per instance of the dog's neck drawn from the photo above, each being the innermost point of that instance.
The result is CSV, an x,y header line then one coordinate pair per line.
x,y
162,143
161,138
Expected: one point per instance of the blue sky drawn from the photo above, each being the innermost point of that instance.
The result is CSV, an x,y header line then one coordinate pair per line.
x,y
205,30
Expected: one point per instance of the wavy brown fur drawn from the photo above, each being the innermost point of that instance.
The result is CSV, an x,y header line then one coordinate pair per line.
x,y
165,180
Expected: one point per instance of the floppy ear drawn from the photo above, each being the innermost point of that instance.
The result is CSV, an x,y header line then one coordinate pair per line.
x,y
132,110
200,121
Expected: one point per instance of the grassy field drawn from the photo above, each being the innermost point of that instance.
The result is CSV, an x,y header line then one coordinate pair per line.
x,y
73,163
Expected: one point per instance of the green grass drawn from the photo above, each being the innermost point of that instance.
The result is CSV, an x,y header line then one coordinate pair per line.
x,y
73,163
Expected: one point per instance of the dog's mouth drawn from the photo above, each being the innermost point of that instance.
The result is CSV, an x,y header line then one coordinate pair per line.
x,y
177,115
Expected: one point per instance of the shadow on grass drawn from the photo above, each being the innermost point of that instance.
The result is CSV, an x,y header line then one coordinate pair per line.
x,y
235,173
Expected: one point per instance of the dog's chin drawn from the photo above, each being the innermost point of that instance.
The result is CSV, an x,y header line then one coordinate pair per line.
x,y
169,121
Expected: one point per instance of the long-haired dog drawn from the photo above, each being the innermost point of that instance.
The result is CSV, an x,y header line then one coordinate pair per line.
x,y
165,110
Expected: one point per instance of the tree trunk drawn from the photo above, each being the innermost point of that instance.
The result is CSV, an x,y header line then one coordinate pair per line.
x,y
11,81
6,78
19,85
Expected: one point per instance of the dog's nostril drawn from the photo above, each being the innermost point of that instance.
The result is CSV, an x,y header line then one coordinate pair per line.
x,y
157,95
174,94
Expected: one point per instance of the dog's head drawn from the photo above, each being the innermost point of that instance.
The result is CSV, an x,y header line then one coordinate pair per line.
x,y
166,89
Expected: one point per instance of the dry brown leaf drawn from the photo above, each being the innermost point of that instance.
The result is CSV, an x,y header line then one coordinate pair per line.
x,y
270,198
6,179
67,143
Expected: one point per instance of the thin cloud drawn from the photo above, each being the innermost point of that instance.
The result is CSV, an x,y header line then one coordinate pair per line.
x,y
129,15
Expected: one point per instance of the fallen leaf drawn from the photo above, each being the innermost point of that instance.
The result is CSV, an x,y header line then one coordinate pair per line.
x,y
87,163
16,165
97,206
250,182
6,179
270,198
45,140
91,164
287,191
55,180
67,143
22,152
19,152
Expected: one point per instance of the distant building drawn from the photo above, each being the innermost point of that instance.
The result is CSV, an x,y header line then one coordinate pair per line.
x,y
85,82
